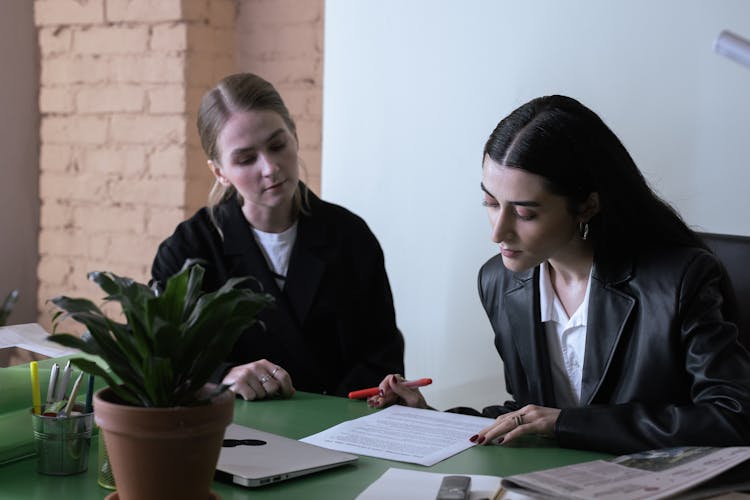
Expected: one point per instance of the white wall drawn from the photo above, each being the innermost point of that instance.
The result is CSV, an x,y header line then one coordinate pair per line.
x,y
413,88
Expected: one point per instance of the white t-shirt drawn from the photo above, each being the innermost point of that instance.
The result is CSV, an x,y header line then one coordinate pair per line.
x,y
566,340
277,248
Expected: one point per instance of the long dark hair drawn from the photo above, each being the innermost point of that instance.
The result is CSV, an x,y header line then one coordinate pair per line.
x,y
563,141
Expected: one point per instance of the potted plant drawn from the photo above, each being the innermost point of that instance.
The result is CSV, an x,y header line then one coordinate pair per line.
x,y
163,423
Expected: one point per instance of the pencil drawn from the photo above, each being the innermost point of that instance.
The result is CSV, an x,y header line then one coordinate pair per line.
x,y
36,393
72,398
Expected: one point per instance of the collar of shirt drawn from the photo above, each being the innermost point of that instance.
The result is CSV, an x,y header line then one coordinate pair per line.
x,y
552,309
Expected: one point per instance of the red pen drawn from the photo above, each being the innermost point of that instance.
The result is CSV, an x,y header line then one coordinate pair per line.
x,y
366,393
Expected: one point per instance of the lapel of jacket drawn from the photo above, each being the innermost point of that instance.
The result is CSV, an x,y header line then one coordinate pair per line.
x,y
241,250
528,334
609,310
306,267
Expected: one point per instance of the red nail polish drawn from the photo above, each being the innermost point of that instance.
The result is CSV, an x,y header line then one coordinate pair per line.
x,y
474,437
500,441
381,393
481,440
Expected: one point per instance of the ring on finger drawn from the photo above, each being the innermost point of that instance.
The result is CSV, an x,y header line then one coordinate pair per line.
x,y
518,419
273,372
264,379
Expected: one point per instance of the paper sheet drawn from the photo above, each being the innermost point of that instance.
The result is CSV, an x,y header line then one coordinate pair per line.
x,y
402,484
404,434
33,337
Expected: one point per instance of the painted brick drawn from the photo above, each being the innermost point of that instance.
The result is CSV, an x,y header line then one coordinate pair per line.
x,y
303,73
223,65
161,129
56,100
147,11
54,269
97,249
197,164
66,70
308,133
196,196
193,98
74,129
200,70
53,215
223,13
202,39
162,222
54,40
166,99
68,12
131,249
111,40
172,37
195,10
110,219
65,187
152,192
168,162
281,41
55,157
114,99
62,242
303,102
224,41
280,12
128,161
148,69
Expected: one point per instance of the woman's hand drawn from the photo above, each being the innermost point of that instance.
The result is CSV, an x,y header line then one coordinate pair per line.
x,y
259,380
393,390
530,419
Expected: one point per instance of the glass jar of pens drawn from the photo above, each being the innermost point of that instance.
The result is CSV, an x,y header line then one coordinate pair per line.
x,y
62,427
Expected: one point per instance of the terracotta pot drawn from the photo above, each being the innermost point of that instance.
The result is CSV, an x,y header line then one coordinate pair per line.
x,y
159,453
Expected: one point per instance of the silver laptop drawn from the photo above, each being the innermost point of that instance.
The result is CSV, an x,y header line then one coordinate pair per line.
x,y
250,457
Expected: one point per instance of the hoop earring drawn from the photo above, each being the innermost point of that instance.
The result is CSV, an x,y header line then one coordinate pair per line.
x,y
583,229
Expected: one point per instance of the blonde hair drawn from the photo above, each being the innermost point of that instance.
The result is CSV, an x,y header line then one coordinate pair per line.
x,y
240,92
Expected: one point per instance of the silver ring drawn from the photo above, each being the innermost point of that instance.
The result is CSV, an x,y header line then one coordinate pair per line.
x,y
264,379
273,372
518,419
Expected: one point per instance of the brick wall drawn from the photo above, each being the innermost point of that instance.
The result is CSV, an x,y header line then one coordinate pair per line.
x,y
120,160
282,41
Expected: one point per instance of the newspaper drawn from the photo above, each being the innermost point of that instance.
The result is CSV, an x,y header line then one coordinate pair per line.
x,y
650,474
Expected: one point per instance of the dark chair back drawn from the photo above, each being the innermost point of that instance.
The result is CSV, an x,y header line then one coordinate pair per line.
x,y
734,252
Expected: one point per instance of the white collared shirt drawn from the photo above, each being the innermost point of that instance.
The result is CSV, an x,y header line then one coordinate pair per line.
x,y
566,340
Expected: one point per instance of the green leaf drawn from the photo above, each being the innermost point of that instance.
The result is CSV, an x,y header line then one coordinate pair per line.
x,y
170,344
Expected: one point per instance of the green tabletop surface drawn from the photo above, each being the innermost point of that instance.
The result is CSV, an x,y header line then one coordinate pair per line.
x,y
300,416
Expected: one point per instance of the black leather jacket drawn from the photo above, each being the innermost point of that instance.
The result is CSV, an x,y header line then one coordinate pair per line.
x,y
662,367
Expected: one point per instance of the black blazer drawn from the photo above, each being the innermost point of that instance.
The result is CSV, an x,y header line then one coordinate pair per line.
x,y
333,327
663,365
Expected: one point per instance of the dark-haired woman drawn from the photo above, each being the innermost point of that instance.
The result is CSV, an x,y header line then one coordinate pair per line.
x,y
616,326
332,328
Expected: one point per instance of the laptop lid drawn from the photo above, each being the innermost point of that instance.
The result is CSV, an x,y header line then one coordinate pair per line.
x,y
250,457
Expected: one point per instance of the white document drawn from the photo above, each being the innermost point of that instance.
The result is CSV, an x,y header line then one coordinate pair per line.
x,y
403,484
404,434
32,337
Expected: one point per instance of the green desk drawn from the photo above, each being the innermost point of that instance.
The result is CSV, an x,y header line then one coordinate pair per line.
x,y
300,416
